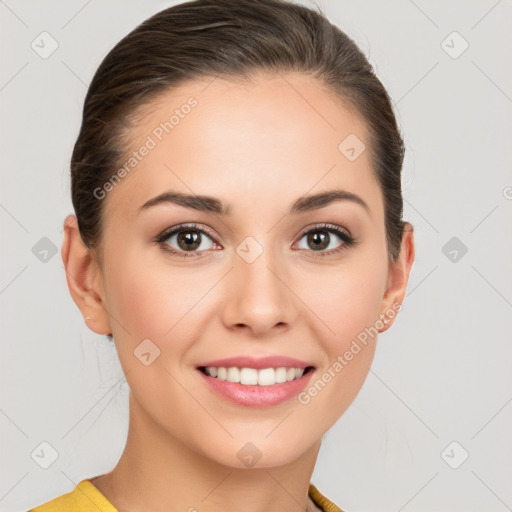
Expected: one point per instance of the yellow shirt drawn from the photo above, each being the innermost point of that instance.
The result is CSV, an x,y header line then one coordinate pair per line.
x,y
87,498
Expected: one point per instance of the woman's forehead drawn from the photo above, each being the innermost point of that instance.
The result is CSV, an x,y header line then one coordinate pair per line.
x,y
293,100
268,138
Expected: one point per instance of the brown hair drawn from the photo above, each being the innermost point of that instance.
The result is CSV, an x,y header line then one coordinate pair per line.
x,y
230,38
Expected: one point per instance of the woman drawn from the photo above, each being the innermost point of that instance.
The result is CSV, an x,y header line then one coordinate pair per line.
x,y
238,235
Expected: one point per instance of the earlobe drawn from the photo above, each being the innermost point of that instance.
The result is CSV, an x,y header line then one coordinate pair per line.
x,y
84,278
398,278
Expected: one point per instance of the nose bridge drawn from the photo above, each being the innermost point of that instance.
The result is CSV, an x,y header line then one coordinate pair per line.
x,y
258,296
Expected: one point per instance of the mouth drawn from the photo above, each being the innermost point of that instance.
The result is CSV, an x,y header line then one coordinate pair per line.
x,y
247,376
255,387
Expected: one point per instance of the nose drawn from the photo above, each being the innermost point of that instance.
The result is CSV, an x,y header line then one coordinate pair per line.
x,y
258,298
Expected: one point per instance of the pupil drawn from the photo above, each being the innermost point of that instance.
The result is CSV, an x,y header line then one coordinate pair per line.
x,y
190,239
319,239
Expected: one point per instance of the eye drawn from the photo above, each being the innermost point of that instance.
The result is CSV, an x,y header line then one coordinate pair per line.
x,y
320,239
185,240
190,240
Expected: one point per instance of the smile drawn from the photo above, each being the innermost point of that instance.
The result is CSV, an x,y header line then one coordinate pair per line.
x,y
254,376
252,387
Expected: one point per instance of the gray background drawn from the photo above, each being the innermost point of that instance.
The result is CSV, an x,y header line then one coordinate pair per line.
x,y
440,375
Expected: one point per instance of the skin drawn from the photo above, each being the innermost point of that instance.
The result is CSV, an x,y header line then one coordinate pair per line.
x,y
258,146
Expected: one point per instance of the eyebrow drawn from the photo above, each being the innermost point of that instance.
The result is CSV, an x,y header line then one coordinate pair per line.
x,y
211,204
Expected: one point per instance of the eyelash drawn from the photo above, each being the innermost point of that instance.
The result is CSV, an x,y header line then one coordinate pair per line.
x,y
348,240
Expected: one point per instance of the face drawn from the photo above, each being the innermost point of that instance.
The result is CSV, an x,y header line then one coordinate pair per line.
x,y
272,276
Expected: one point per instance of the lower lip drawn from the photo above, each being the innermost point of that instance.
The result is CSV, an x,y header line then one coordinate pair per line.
x,y
257,396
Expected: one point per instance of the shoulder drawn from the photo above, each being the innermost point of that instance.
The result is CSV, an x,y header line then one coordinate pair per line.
x,y
323,503
85,497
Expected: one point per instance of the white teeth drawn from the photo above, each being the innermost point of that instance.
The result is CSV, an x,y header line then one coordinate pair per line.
x,y
233,375
281,375
266,377
248,376
252,376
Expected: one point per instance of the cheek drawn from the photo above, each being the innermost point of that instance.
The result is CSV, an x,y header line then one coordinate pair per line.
x,y
348,308
150,300
147,296
345,298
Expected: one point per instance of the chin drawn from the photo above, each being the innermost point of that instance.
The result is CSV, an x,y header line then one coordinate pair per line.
x,y
261,452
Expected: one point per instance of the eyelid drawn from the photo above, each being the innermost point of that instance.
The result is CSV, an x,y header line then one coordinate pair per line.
x,y
347,240
201,227
327,226
339,231
161,239
183,227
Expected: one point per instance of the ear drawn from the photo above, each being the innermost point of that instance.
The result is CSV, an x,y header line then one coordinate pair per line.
x,y
398,277
84,278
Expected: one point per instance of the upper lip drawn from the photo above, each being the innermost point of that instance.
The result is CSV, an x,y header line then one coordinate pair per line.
x,y
257,362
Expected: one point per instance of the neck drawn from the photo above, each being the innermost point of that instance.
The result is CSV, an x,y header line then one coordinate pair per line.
x,y
159,473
